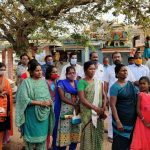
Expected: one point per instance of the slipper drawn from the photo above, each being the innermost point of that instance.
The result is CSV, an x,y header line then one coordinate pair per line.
x,y
110,139
105,131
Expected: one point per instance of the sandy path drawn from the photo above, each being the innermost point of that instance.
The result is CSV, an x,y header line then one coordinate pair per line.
x,y
16,143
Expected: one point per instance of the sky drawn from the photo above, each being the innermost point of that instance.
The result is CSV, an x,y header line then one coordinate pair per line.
x,y
109,16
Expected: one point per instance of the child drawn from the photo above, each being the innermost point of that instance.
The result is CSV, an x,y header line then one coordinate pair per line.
x,y
141,135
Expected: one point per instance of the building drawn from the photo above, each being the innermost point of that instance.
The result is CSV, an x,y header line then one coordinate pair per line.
x,y
118,41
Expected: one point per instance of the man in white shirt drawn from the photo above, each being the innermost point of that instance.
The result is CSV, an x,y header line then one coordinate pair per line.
x,y
138,69
105,63
148,63
109,80
48,62
99,72
72,62
22,67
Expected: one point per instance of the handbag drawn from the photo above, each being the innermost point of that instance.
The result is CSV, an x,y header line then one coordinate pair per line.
x,y
68,115
76,119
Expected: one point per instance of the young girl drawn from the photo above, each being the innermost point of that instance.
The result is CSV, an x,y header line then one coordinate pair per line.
x,y
141,135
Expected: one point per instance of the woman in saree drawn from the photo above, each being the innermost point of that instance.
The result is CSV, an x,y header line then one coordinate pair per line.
x,y
34,111
6,106
51,76
123,104
93,102
146,53
65,133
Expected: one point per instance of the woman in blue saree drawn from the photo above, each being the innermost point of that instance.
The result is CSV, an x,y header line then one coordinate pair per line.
x,y
146,53
65,133
34,112
123,104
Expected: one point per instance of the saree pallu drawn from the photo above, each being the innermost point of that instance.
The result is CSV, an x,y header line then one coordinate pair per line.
x,y
126,109
91,137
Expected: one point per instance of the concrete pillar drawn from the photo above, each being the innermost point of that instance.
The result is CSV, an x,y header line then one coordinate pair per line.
x,y
4,56
100,56
86,54
10,63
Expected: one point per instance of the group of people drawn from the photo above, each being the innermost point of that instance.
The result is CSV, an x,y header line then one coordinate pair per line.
x,y
124,85
58,111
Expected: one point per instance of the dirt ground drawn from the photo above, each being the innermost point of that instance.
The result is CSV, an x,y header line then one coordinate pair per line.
x,y
16,143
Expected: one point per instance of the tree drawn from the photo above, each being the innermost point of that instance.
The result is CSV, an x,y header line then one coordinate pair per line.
x,y
21,20
136,11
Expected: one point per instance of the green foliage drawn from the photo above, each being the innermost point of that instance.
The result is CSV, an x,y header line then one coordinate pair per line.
x,y
21,20
137,12
81,39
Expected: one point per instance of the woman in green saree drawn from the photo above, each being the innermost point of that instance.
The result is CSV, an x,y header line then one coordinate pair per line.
x,y
34,112
93,102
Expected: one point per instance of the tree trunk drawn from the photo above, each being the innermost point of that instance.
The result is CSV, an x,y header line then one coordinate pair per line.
x,y
21,44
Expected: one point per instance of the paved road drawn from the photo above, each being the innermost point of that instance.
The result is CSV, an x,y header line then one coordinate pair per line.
x,y
16,143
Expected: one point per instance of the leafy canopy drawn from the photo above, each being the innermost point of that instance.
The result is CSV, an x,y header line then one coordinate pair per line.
x,y
22,20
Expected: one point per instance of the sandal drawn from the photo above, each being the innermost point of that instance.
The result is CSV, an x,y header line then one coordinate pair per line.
x,y
110,139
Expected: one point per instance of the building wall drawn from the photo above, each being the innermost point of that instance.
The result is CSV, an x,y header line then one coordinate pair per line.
x,y
7,59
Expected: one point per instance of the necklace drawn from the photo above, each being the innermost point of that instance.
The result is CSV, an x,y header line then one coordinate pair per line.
x,y
121,83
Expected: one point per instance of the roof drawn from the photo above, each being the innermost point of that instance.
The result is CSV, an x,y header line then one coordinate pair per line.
x,y
118,49
70,47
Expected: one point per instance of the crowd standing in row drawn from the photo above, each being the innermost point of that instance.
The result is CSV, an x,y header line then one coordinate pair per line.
x,y
55,111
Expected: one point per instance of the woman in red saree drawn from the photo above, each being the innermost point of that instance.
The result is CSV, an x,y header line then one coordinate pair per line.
x,y
6,106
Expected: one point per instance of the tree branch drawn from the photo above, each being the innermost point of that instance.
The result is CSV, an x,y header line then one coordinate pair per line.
x,y
64,7
8,35
7,16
